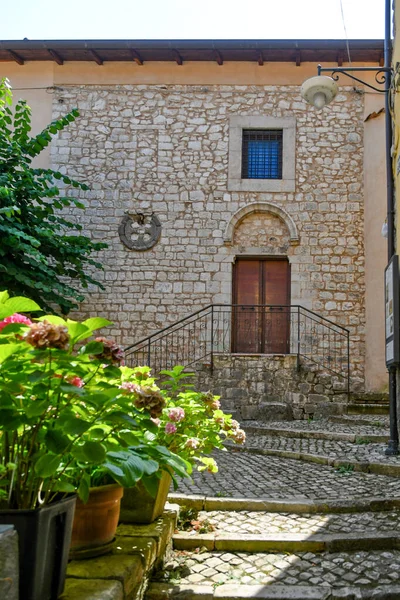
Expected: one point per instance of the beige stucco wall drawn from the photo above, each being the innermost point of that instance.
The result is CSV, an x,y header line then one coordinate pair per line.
x,y
24,79
375,244
84,83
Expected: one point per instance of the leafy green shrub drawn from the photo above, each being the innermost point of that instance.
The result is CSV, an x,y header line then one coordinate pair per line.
x,y
42,256
69,417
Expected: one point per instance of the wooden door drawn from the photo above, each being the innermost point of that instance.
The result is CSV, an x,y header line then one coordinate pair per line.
x,y
261,317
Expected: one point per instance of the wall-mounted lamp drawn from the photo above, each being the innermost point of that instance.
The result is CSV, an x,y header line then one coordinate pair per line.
x,y
321,90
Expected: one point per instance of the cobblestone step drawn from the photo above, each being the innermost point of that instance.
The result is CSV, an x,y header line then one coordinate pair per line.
x,y
362,454
365,570
251,522
367,409
355,421
360,435
162,591
245,475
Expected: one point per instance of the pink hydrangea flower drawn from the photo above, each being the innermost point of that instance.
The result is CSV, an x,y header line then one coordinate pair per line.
x,y
76,381
129,387
170,428
176,414
15,318
192,443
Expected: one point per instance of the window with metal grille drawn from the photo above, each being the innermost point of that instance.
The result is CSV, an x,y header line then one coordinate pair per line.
x,y
262,154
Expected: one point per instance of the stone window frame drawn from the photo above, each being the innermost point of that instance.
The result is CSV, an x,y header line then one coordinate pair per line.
x,y
288,127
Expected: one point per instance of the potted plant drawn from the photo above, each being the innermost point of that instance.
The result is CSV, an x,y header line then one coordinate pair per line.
x,y
66,414
191,425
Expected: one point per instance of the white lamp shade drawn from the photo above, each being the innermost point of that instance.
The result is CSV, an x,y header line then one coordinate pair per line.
x,y
319,90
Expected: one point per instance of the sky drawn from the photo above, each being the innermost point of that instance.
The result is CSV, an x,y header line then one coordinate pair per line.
x,y
191,19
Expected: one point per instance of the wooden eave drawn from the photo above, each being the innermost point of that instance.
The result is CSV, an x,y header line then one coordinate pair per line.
x,y
182,51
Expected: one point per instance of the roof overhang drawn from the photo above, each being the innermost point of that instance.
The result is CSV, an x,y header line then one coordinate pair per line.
x,y
181,51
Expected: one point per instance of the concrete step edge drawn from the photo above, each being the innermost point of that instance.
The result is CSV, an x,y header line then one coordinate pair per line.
x,y
163,591
296,505
288,542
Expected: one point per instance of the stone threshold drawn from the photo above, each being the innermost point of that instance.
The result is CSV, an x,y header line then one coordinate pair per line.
x,y
162,591
317,435
123,574
392,470
296,504
288,542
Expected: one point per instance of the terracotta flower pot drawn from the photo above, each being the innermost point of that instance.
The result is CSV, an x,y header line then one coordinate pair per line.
x,y
95,522
138,506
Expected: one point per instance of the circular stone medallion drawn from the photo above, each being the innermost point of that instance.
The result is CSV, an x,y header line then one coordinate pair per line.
x,y
140,232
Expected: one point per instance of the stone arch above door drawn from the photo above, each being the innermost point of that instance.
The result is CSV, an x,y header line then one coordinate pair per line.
x,y
270,216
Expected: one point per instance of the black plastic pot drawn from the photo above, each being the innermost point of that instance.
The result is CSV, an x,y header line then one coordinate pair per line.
x,y
44,537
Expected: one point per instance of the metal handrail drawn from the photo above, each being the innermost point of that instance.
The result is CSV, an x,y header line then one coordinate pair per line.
x,y
211,330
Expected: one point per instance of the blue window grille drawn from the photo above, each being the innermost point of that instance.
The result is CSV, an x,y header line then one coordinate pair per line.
x,y
262,154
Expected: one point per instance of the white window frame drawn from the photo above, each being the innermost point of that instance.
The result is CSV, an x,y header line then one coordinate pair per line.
x,y
288,127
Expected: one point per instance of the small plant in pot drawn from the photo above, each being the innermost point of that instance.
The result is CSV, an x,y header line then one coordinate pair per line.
x,y
191,425
65,419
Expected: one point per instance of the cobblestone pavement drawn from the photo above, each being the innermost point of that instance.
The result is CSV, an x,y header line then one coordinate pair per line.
x,y
377,426
327,569
247,475
340,450
250,522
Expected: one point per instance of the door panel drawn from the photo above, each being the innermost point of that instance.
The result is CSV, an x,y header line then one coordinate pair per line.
x,y
248,290
276,320
261,329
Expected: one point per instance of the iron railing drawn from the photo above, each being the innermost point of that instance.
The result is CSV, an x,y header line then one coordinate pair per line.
x,y
247,329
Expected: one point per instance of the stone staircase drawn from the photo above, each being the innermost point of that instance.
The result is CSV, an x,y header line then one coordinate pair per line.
x,y
309,510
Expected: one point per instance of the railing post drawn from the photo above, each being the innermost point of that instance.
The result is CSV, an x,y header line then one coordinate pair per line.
x,y
148,352
298,338
212,338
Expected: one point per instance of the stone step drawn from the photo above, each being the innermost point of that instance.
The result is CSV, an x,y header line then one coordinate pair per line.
x,y
363,454
302,433
367,409
288,542
351,421
246,476
224,572
249,531
161,591
245,522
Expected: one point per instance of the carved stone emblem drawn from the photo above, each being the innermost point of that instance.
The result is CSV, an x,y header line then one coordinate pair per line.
x,y
140,231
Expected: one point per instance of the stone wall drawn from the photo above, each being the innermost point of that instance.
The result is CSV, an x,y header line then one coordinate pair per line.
x,y
271,388
163,149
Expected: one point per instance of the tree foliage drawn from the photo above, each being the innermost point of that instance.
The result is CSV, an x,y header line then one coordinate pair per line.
x,y
42,254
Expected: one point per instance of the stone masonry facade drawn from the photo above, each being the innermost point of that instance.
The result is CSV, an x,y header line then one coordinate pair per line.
x,y
164,149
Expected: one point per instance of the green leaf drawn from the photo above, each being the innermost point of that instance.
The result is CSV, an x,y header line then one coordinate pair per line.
x,y
84,488
53,319
96,323
151,485
47,465
73,426
4,296
63,486
56,441
7,350
10,420
92,348
77,331
94,452
21,304
37,408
